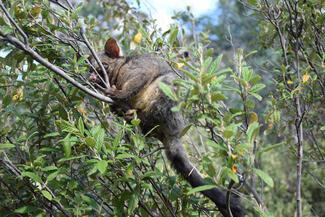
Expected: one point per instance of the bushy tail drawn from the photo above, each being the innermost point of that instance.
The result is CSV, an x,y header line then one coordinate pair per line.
x,y
179,160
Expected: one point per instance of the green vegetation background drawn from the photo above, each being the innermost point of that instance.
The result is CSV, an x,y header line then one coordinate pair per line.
x,y
63,153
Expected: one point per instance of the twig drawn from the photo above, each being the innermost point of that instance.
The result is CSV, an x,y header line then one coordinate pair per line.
x,y
82,33
228,198
69,3
14,22
7,162
59,3
255,195
152,152
14,41
86,41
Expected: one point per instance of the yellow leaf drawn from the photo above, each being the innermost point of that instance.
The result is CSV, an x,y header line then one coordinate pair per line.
x,y
234,168
19,12
82,110
234,156
289,82
36,10
19,95
179,65
305,78
15,98
253,117
137,38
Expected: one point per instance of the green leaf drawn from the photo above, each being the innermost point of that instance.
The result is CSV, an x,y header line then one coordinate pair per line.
x,y
200,188
81,126
247,74
135,122
132,203
254,51
173,35
151,174
215,65
256,88
3,22
67,149
99,134
90,141
215,96
52,176
207,62
124,156
207,78
229,173
47,195
6,30
190,75
230,131
168,91
265,177
216,145
70,158
102,166
6,146
89,201
49,168
67,127
68,142
23,209
185,129
49,135
258,97
32,175
252,131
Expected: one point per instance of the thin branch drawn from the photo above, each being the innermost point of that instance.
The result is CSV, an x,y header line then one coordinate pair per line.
x,y
14,22
152,152
228,197
86,41
69,3
82,33
59,3
18,44
319,182
255,195
7,162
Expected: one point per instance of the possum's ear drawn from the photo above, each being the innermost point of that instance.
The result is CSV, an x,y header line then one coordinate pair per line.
x,y
111,48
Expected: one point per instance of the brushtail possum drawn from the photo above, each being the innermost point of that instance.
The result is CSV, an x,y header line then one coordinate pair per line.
x,y
135,85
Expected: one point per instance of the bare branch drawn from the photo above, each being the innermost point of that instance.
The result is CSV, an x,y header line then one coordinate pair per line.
x,y
60,4
95,56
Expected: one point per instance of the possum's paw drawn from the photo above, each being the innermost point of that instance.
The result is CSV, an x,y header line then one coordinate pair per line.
x,y
130,114
111,91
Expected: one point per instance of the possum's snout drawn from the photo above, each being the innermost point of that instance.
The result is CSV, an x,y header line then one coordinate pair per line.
x,y
93,78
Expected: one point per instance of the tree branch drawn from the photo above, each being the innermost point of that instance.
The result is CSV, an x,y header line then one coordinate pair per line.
x,y
23,34
18,44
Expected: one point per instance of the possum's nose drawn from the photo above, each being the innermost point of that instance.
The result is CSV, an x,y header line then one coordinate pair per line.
x,y
93,78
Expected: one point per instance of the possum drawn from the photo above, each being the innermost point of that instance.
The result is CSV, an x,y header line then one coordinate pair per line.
x,y
134,86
